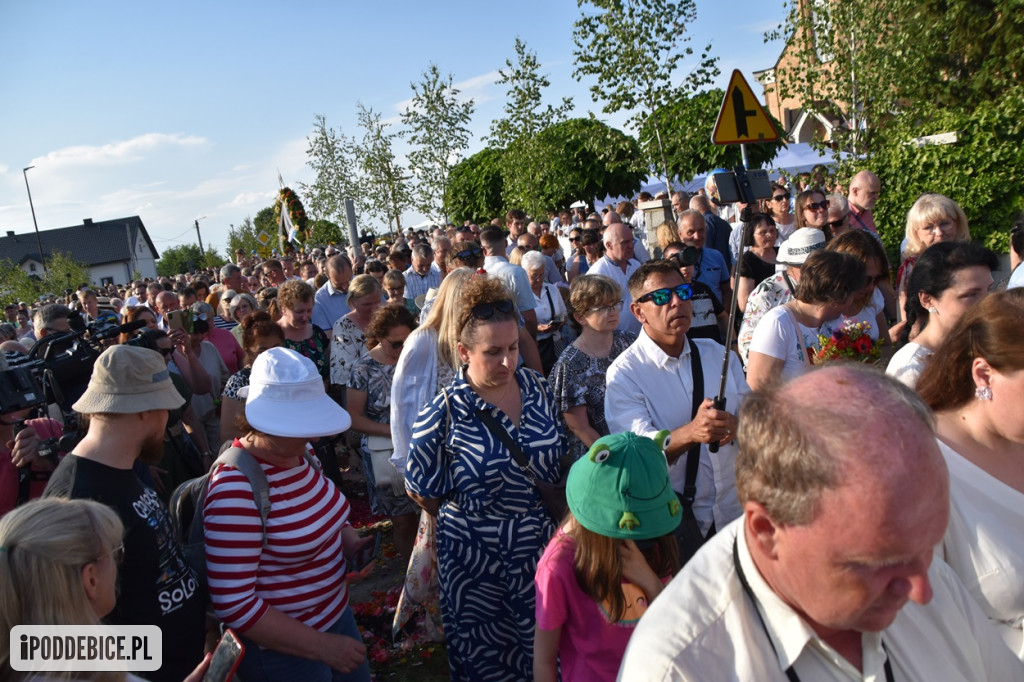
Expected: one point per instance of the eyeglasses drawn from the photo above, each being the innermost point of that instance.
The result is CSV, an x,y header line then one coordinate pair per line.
x,y
605,309
836,223
469,253
781,197
117,554
485,311
393,344
817,206
663,296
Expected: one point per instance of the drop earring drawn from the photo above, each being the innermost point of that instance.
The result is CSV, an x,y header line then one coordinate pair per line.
x,y
983,393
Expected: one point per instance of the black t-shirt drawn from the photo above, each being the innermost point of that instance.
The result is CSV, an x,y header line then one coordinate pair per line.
x,y
156,583
752,266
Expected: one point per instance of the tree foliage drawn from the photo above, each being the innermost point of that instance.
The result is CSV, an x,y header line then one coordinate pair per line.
x,y
887,73
385,184
325,232
186,258
436,123
633,48
332,158
518,132
687,123
475,187
62,272
243,236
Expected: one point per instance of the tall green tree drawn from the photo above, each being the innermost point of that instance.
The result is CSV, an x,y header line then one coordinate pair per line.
x,y
475,187
62,272
385,183
435,123
687,123
633,48
525,117
332,157
325,232
186,258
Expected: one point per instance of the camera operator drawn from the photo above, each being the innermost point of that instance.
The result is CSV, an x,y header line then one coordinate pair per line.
x,y
51,318
22,450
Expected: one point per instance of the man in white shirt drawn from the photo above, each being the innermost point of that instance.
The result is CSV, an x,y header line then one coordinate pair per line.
x,y
618,264
492,239
650,387
829,574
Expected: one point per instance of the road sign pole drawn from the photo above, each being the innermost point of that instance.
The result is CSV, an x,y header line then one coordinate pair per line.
x,y
743,155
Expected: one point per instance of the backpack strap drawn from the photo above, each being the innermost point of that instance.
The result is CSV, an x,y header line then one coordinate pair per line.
x,y
243,461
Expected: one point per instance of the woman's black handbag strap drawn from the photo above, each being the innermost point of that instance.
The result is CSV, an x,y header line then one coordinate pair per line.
x,y
499,432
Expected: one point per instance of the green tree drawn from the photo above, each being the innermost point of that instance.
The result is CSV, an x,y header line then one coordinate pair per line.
x,y
243,236
385,183
332,157
325,232
475,187
517,132
586,159
179,259
62,272
687,123
436,123
633,48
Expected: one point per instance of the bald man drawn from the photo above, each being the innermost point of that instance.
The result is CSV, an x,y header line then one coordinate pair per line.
x,y
864,190
829,573
618,264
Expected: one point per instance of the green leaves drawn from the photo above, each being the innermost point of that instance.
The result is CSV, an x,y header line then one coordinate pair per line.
x,y
385,185
332,157
186,258
436,123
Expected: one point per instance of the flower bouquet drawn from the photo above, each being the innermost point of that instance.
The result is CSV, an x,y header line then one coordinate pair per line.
x,y
849,342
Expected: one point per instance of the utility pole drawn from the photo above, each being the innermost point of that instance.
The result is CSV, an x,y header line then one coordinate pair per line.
x,y
39,242
201,249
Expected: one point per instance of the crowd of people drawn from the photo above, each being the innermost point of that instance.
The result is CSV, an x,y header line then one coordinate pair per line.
x,y
537,406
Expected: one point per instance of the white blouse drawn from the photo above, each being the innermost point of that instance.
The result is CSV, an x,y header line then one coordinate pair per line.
x,y
984,544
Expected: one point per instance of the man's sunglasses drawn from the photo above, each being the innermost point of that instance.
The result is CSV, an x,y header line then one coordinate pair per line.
x,y
836,223
485,311
469,253
663,296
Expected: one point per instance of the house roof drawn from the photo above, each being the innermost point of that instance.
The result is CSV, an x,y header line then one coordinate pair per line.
x,y
91,243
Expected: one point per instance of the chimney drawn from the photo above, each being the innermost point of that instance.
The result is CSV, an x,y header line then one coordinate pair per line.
x,y
87,221
10,233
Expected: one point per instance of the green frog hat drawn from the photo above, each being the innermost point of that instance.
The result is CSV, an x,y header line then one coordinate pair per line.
x,y
620,488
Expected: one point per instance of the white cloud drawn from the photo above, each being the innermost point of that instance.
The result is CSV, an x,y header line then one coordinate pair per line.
x,y
117,153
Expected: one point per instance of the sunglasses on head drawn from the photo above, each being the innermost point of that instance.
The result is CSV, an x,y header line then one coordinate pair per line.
x,y
485,311
472,252
817,206
663,296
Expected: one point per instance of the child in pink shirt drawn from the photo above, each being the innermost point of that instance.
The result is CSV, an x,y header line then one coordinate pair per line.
x,y
608,561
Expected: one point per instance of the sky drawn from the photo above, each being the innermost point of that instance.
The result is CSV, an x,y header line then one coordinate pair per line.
x,y
188,110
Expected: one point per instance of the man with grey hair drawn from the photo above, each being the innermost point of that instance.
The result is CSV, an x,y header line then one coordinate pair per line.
x,y
718,230
838,214
424,273
618,264
441,245
330,302
51,318
829,574
231,277
680,202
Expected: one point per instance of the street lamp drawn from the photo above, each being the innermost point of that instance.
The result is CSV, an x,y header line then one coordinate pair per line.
x,y
39,243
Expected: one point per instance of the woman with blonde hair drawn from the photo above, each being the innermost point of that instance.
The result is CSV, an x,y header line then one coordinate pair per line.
x,y
348,339
58,566
295,302
932,219
975,385
665,234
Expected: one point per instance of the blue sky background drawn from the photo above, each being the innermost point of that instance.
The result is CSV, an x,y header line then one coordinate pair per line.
x,y
181,110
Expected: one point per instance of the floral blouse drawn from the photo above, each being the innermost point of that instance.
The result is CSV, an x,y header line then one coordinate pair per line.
x,y
315,348
769,294
348,344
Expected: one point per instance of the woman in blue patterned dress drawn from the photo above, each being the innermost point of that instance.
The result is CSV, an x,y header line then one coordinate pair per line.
x,y
492,526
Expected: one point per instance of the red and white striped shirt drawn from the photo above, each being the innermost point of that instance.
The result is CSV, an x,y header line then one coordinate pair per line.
x,y
300,572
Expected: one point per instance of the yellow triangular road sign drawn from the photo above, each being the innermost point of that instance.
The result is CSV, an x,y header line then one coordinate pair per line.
x,y
742,118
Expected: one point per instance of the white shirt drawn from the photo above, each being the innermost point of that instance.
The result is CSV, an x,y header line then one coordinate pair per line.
x,y
413,386
984,544
703,626
607,267
545,299
776,337
907,364
868,313
514,278
648,390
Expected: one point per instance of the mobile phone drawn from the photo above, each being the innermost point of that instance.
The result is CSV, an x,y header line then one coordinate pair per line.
x,y
176,320
226,657
365,555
